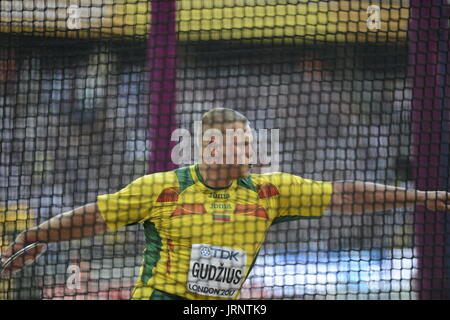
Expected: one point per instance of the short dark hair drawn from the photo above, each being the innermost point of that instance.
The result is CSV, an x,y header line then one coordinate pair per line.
x,y
215,118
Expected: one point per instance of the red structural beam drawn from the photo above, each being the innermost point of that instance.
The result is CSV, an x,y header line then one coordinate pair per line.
x,y
162,45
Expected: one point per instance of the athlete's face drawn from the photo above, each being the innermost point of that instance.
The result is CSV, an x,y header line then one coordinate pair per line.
x,y
235,151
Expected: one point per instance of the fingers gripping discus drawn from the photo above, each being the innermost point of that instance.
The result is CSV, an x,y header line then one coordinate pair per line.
x,y
22,258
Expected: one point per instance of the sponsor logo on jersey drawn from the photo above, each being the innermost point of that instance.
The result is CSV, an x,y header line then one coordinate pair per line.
x,y
220,206
219,195
219,253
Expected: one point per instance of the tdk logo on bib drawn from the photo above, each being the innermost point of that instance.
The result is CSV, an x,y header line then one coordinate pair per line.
x,y
205,252
219,253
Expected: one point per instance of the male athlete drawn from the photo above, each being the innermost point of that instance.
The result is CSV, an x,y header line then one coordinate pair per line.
x,y
205,224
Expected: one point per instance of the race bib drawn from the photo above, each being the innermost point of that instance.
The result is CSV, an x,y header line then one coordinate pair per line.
x,y
216,271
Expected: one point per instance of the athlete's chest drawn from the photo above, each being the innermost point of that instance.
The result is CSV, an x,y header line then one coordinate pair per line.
x,y
229,214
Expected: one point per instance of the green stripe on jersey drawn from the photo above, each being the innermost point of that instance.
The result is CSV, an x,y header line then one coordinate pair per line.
x,y
184,178
152,252
247,183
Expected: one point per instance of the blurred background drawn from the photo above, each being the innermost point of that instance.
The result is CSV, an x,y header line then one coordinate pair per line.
x,y
76,83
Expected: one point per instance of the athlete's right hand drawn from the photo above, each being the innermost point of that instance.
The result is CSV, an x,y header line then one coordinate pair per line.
x,y
18,244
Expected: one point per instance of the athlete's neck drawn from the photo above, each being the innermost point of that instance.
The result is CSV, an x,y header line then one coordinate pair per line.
x,y
213,178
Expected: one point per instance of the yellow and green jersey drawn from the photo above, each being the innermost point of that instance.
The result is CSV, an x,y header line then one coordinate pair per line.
x,y
201,242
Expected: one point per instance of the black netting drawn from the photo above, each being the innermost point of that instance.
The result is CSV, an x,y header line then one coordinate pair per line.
x,y
90,94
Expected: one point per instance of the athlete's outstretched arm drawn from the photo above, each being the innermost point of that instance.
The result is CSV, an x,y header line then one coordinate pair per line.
x,y
366,197
81,222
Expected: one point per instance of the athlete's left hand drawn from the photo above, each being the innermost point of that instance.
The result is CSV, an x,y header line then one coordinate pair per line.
x,y
437,200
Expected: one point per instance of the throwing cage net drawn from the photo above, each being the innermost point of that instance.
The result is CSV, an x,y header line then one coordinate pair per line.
x,y
91,91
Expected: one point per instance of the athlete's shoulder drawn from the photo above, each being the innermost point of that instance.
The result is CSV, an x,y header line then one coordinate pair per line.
x,y
160,179
272,177
268,184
